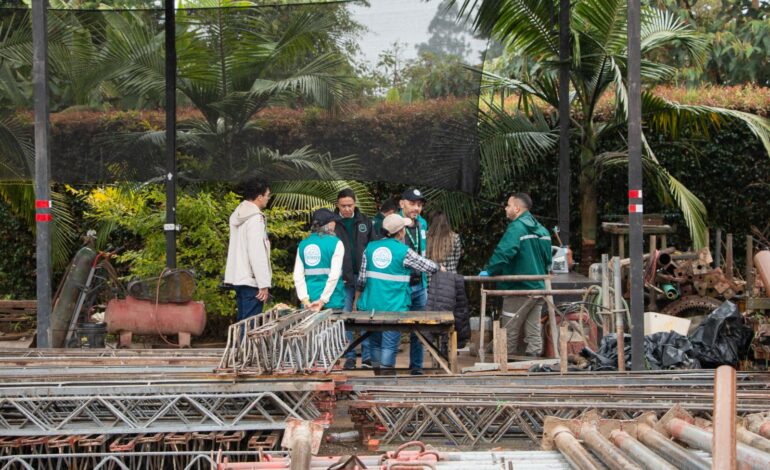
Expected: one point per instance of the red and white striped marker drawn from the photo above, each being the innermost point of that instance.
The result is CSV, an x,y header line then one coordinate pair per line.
x,y
635,208
42,205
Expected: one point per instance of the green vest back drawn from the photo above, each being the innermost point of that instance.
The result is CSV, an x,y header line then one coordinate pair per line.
x,y
316,253
387,280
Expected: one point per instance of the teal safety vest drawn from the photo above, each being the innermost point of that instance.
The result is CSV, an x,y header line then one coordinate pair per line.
x,y
316,253
387,280
420,245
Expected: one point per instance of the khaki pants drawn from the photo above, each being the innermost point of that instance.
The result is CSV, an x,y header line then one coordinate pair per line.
x,y
523,313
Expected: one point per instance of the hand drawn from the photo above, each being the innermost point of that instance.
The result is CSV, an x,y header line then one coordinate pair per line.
x,y
306,303
262,294
317,305
484,274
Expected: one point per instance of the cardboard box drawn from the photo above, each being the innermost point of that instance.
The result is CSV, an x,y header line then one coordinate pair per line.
x,y
655,322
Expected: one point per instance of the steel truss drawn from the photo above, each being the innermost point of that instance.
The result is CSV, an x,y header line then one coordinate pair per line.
x,y
478,410
43,409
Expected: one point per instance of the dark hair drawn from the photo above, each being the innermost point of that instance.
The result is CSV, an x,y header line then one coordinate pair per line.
x,y
347,192
388,205
254,187
524,198
386,234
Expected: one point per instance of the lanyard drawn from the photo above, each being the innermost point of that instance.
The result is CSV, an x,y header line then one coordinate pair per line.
x,y
415,244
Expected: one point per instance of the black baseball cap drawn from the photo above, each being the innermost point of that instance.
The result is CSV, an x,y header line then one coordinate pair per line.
x,y
413,194
324,216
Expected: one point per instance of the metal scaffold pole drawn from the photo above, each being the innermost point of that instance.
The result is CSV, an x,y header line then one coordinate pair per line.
x,y
564,154
635,206
43,217
170,225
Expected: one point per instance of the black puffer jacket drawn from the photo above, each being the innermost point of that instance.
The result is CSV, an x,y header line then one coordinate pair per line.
x,y
446,293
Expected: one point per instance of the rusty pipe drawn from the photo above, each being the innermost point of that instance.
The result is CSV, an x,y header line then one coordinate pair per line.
x,y
762,265
577,456
639,452
759,427
675,454
724,442
747,456
751,439
605,450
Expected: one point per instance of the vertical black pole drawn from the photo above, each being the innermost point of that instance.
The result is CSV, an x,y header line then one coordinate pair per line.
x,y
635,207
564,163
42,172
170,225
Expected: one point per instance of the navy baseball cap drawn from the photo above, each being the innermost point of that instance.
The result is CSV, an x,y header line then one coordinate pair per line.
x,y
413,194
324,216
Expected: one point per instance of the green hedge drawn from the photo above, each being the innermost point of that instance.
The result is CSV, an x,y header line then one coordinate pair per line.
x,y
729,172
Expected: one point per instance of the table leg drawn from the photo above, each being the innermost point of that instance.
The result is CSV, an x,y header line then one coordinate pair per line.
x,y
435,352
453,350
351,346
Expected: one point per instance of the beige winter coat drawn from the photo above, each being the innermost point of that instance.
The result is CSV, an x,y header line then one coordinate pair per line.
x,y
248,255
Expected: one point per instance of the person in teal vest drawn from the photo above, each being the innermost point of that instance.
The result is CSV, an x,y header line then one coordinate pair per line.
x,y
318,266
383,282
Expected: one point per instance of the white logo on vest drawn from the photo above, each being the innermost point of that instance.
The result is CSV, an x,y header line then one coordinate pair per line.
x,y
382,257
312,255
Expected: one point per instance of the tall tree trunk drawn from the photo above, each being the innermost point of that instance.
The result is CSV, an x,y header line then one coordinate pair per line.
x,y
588,220
588,205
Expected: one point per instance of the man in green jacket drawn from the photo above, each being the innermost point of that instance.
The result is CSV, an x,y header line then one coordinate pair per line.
x,y
524,249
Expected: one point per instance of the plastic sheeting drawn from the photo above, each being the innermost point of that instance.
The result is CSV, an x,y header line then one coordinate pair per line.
x,y
722,338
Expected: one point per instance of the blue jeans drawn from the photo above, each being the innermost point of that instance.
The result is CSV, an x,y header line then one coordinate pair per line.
x,y
246,300
416,351
366,354
375,348
389,348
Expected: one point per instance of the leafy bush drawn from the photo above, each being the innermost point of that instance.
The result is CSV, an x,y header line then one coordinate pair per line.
x,y
202,240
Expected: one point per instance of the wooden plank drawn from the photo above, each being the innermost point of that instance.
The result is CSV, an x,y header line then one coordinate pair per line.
x,y
622,229
19,304
500,346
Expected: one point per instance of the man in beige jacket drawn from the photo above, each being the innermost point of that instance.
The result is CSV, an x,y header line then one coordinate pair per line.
x,y
248,267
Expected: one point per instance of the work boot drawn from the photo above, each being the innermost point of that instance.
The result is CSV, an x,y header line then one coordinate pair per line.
x,y
350,364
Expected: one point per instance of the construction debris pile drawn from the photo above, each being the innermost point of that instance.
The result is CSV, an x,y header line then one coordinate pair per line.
x,y
723,338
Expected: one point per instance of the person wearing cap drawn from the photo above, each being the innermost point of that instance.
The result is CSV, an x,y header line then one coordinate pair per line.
x,y
383,282
388,207
318,266
524,249
416,238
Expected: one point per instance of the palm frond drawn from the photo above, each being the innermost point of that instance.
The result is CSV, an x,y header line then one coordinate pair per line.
x,y
313,194
509,143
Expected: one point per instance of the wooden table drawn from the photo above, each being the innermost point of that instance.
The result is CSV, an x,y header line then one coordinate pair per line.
x,y
408,322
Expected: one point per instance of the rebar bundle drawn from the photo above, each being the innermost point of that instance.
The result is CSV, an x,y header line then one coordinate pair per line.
x,y
298,341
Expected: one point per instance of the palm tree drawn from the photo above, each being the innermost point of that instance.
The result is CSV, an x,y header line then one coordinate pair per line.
x,y
597,69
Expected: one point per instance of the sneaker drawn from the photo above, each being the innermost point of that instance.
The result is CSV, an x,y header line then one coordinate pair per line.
x,y
416,372
366,364
350,364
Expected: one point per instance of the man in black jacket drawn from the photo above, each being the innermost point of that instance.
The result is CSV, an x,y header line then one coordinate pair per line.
x,y
355,232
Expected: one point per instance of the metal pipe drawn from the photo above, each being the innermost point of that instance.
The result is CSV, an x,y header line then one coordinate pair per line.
x,y
724,440
606,303
575,453
605,450
760,427
564,117
169,227
753,440
509,277
635,179
482,325
701,439
637,451
619,314
42,172
762,265
729,257
749,265
717,256
675,454
535,292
